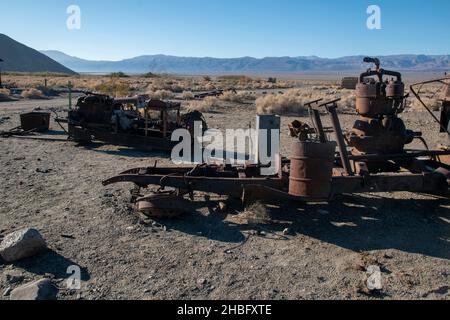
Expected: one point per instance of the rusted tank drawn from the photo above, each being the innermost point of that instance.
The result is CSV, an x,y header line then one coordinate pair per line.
x,y
312,169
36,121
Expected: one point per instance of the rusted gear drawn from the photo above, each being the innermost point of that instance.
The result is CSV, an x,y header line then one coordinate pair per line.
x,y
163,205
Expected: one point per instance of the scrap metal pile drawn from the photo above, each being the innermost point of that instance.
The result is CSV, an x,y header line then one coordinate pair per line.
x,y
372,157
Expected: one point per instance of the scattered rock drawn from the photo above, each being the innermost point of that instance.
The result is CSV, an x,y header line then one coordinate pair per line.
x,y
201,283
222,207
22,244
39,170
321,211
39,290
13,277
287,232
374,278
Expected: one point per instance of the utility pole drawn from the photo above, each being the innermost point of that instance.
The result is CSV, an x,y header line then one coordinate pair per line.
x,y
1,60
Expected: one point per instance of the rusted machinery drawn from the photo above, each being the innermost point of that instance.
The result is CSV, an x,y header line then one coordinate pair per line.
x,y
372,157
132,122
31,122
349,83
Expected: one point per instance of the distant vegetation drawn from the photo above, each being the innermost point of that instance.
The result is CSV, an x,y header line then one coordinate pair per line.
x,y
114,88
151,75
35,74
119,74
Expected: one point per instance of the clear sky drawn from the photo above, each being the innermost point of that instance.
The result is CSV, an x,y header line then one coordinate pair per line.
x,y
113,30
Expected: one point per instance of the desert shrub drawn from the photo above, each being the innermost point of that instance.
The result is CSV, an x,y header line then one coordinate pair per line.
x,y
151,75
238,97
114,88
414,105
292,101
177,88
206,105
32,94
161,94
188,95
119,74
4,94
348,101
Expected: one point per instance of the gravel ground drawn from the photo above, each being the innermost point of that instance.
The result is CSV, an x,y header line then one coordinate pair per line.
x,y
56,188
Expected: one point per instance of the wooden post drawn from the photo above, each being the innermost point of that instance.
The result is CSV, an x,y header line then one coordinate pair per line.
x,y
69,85
164,116
146,121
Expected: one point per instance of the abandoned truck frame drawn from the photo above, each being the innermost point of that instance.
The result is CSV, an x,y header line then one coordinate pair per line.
x,y
131,122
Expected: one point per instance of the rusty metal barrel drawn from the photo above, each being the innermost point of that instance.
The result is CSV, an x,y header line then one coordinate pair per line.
x,y
312,169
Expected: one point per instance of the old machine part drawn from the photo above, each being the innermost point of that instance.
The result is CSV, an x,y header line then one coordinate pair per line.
x,y
133,122
163,205
30,123
372,158
349,83
36,120
379,130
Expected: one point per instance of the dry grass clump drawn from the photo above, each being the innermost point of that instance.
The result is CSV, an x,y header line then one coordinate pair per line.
x,y
414,105
292,101
114,88
255,214
187,95
238,97
161,94
32,94
4,94
206,105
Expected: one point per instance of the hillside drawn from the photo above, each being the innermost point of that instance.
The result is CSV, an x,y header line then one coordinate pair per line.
x,y
20,58
279,65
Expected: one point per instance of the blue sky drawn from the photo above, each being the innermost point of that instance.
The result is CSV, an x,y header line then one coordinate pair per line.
x,y
113,30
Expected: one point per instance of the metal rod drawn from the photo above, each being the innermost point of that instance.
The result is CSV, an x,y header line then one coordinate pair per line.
x,y
417,95
319,126
411,155
340,138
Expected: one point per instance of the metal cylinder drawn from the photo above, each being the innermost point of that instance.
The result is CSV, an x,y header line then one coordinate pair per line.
x,y
312,169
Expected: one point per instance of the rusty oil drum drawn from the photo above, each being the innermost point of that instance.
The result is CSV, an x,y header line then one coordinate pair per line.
x,y
312,169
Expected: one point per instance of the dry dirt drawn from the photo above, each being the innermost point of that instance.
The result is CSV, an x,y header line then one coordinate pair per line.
x,y
56,188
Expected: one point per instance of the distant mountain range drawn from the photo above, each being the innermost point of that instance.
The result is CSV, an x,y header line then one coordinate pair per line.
x,y
248,65
20,58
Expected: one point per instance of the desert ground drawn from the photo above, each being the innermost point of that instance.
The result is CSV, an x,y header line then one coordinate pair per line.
x,y
55,186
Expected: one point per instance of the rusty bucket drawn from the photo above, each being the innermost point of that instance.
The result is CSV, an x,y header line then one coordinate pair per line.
x,y
37,121
312,169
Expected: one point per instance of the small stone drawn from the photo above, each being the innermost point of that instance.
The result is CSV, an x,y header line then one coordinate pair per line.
x,y
321,211
13,277
222,206
39,290
287,232
22,244
201,283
